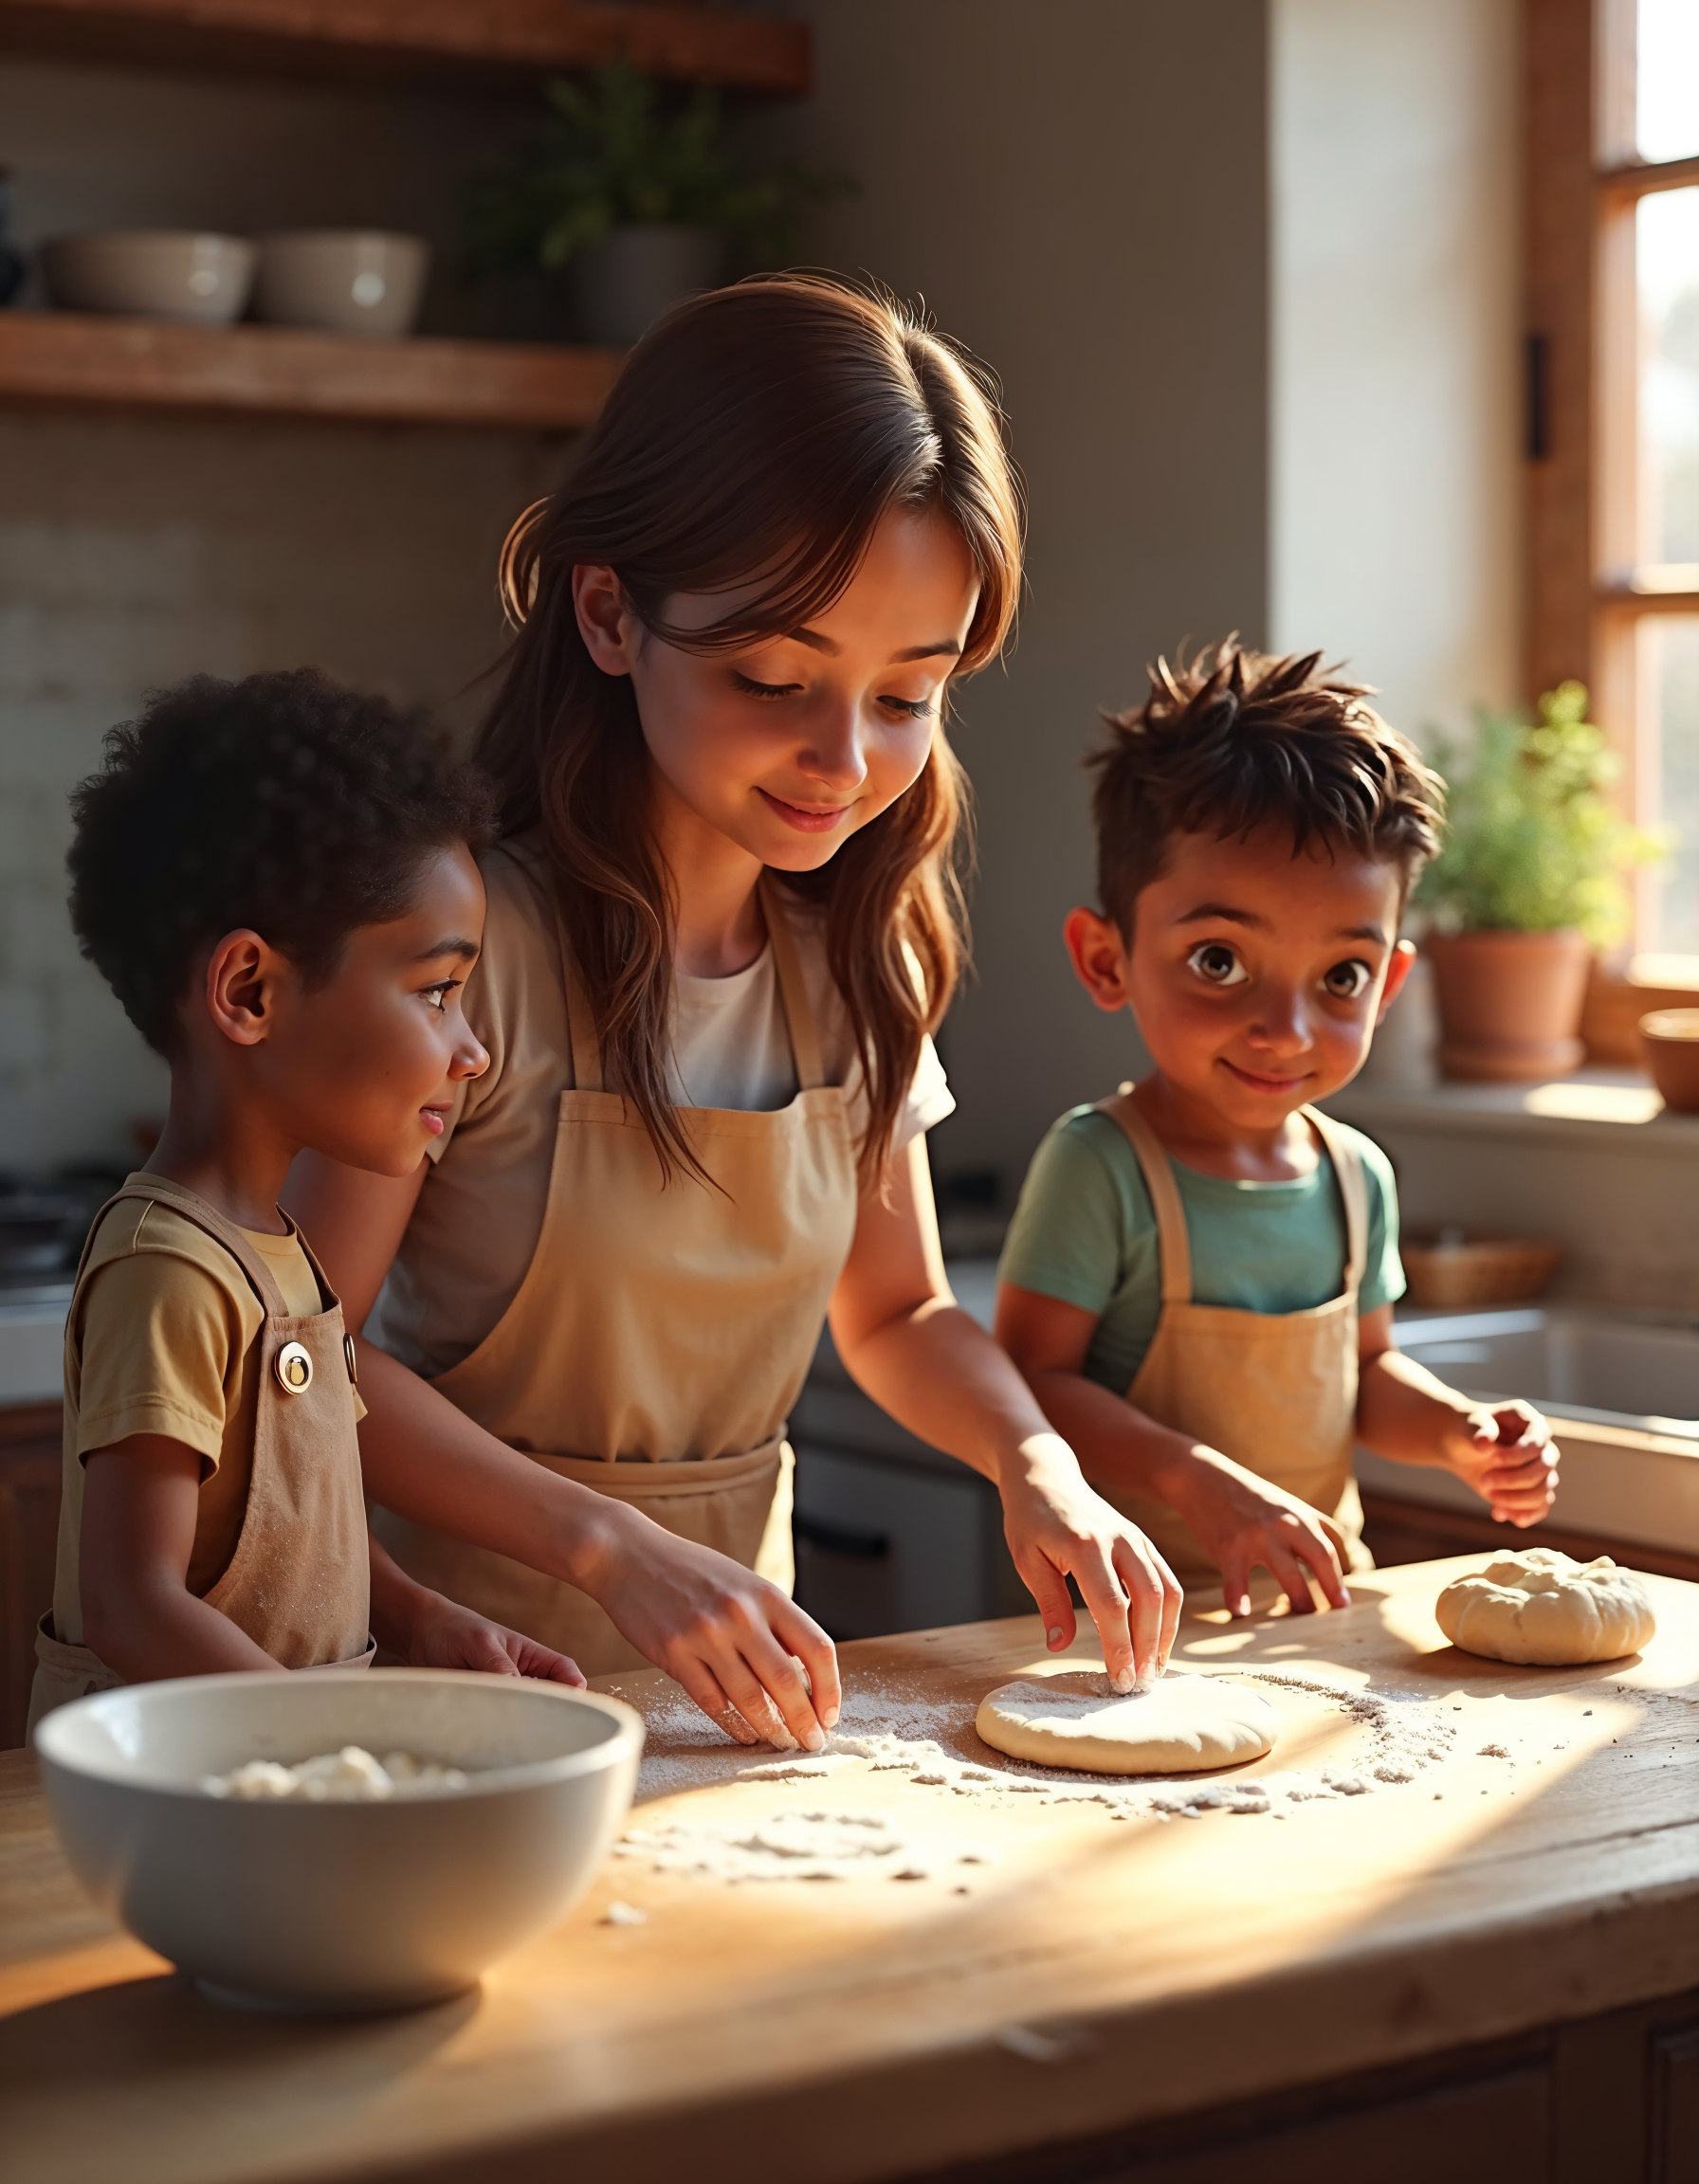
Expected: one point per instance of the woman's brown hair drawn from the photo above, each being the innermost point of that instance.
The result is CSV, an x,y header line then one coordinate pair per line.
x,y
758,435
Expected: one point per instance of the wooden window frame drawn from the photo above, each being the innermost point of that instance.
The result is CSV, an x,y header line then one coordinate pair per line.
x,y
1585,598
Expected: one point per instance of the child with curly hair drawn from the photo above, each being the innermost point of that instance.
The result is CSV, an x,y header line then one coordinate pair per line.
x,y
276,878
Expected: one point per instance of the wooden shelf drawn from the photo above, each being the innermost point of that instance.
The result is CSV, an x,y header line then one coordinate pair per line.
x,y
71,358
686,42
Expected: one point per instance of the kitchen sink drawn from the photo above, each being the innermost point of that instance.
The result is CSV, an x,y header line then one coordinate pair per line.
x,y
1609,1368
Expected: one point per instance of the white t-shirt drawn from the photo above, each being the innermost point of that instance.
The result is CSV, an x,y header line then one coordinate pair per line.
x,y
475,1228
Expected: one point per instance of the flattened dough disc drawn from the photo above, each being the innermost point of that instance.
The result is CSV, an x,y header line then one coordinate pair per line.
x,y
1180,1724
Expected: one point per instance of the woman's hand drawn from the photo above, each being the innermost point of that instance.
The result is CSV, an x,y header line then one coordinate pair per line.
x,y
1057,1528
1505,1452
1241,1521
445,1636
749,1657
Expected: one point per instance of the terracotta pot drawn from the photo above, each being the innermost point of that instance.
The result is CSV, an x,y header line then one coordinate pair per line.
x,y
1509,1003
1671,1041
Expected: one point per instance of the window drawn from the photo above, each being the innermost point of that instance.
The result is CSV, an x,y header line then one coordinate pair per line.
x,y
1612,409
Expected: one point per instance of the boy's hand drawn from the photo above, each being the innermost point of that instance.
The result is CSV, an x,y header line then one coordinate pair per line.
x,y
1241,1521
750,1658
445,1636
1505,1452
1057,1528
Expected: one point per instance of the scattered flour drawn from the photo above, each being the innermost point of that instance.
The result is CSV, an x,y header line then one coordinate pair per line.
x,y
619,1914
886,1729
349,1777
789,1847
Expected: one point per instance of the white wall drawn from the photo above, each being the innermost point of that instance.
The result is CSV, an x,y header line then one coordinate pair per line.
x,y
1395,317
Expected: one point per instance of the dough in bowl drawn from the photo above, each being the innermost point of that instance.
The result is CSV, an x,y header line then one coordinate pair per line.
x,y
1180,1725
1543,1608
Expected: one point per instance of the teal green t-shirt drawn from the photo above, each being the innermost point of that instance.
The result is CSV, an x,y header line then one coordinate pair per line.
x,y
1084,1231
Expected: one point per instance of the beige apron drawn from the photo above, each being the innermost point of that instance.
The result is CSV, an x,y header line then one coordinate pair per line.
x,y
664,1327
299,1581
1275,1391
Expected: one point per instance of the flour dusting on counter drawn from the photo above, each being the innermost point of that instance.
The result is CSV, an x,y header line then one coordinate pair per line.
x,y
887,1729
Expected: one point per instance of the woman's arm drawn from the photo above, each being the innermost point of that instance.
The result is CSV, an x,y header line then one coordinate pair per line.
x,y
1503,1450
909,1345
1237,1518
729,1637
140,1499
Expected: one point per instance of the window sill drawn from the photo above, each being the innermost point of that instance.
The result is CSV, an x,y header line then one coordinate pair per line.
x,y
1608,1109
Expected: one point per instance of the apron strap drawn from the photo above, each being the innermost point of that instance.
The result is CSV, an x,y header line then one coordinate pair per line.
x,y
580,1020
1173,1242
792,988
159,1189
1353,1191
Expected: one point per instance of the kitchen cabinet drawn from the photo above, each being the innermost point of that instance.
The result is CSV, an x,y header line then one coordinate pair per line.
x,y
1498,1979
29,1474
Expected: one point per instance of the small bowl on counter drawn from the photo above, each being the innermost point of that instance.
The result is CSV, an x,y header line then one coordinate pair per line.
x,y
1670,1042
1450,1269
202,280
343,281
340,1903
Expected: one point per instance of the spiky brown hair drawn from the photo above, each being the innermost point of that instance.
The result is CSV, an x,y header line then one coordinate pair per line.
x,y
1234,739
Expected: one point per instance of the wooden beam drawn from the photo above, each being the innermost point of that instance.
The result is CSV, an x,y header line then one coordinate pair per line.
x,y
1560,222
1642,178
76,358
420,37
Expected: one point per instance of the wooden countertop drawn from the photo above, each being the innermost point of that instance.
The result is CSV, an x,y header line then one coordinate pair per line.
x,y
1102,1972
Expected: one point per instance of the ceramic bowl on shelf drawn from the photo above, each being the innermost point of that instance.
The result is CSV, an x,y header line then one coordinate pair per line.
x,y
1670,1041
152,274
338,1906
343,281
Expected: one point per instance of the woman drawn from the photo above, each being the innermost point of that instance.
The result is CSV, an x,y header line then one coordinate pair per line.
x,y
722,927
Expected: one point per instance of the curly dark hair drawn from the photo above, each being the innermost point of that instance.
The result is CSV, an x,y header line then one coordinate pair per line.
x,y
1233,740
280,802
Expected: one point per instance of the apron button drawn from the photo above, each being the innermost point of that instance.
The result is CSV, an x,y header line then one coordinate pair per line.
x,y
348,1356
294,1369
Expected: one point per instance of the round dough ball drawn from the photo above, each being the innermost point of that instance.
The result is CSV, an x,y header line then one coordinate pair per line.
x,y
1543,1608
1180,1725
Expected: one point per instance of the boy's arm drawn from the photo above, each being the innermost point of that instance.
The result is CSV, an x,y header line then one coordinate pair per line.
x,y
729,1637
1503,1450
1239,1519
139,1501
431,1633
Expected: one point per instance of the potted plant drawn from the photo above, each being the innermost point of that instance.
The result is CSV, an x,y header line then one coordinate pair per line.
x,y
1528,882
636,194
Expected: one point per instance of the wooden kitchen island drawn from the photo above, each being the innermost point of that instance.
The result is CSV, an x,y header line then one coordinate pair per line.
x,y
1491,1969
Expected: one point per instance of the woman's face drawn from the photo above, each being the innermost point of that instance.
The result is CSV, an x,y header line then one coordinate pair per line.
x,y
788,747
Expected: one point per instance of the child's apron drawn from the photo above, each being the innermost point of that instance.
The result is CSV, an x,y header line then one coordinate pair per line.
x,y
299,1581
664,1328
1275,1391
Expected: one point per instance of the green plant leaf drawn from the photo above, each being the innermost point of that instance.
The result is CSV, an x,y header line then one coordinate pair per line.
x,y
618,149
1533,844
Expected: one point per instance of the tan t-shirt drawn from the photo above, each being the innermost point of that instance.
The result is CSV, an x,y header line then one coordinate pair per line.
x,y
168,1329
476,1226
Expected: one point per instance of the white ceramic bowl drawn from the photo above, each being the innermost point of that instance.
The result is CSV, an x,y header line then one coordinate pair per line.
x,y
343,281
338,1906
162,274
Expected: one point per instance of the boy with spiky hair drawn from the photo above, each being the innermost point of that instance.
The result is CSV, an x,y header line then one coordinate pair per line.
x,y
1199,1283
